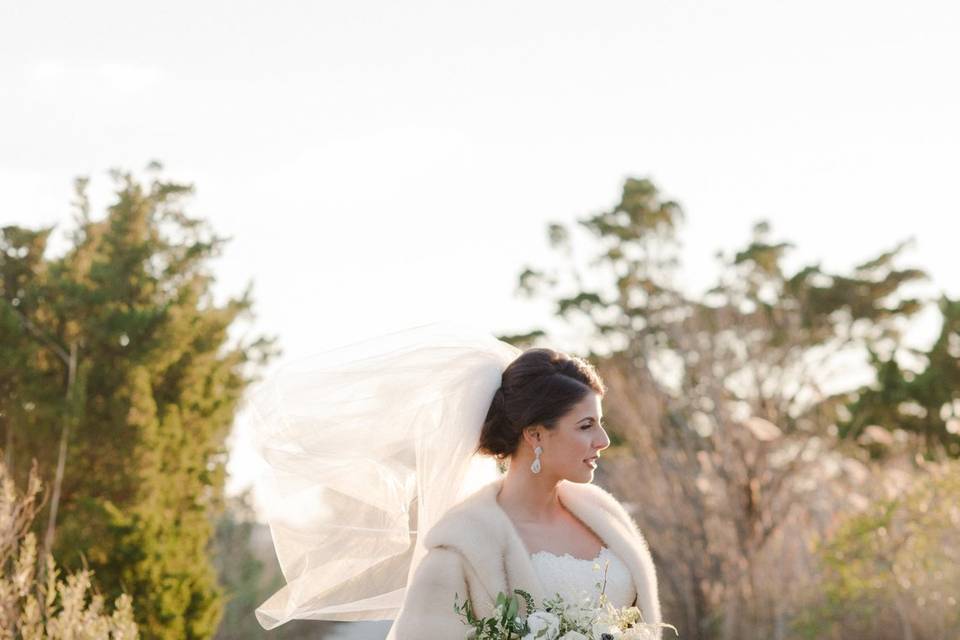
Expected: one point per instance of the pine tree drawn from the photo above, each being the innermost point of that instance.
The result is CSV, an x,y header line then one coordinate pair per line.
x,y
152,397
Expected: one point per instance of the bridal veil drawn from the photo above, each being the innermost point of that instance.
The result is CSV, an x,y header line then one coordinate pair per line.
x,y
367,445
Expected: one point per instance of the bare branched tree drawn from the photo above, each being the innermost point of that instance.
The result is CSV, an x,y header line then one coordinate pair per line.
x,y
725,404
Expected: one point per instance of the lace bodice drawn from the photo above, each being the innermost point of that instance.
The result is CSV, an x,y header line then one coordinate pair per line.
x,y
576,578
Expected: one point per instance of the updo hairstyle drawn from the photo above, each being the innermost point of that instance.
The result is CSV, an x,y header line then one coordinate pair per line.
x,y
539,387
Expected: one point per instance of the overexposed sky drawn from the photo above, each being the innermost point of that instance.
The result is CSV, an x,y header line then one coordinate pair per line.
x,y
383,164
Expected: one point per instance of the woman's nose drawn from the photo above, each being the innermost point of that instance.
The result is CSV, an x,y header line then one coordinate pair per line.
x,y
605,442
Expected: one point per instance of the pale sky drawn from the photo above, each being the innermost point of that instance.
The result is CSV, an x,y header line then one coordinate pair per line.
x,y
385,164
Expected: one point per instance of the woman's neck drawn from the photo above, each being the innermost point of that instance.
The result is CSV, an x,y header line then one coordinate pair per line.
x,y
529,499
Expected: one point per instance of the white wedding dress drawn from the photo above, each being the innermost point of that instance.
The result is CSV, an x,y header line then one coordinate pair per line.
x,y
575,578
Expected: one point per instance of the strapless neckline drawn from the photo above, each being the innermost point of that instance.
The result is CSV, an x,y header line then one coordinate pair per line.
x,y
575,579
567,555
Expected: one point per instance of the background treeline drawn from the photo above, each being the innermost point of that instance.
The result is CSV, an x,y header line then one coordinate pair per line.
x,y
792,462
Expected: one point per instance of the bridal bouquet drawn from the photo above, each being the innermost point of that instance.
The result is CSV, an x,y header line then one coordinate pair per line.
x,y
586,619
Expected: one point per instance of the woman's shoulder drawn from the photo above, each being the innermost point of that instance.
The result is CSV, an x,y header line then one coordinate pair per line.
x,y
593,495
473,520
479,522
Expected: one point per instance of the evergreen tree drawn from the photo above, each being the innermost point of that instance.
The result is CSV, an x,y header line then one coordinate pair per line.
x,y
925,402
146,406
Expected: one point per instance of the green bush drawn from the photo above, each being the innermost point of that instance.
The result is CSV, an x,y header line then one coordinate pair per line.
x,y
893,570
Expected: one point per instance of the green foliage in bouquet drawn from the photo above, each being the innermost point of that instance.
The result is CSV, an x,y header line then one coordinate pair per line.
x,y
557,619
505,624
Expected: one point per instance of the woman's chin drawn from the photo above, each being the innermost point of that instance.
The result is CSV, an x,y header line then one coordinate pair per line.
x,y
585,475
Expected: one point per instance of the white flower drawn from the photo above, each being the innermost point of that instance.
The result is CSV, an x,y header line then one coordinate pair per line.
x,y
583,618
639,633
601,628
573,635
632,615
543,626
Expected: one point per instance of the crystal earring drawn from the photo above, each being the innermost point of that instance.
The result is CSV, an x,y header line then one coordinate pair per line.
x,y
535,467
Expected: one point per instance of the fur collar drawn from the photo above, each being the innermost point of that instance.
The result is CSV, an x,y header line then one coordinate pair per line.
x,y
482,532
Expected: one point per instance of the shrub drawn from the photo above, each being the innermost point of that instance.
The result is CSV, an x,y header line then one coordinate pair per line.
x,y
35,604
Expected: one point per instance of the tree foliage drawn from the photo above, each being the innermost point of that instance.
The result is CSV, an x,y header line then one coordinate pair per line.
x,y
893,569
924,401
145,414
728,404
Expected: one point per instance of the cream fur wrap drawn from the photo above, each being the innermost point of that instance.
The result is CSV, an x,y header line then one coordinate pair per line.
x,y
475,551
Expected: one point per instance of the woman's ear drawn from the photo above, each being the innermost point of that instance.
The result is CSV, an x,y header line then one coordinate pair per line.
x,y
533,435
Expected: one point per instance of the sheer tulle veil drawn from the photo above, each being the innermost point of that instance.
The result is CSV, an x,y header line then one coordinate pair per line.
x,y
366,445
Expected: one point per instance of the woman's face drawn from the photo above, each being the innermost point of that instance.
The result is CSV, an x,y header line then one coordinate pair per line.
x,y
577,437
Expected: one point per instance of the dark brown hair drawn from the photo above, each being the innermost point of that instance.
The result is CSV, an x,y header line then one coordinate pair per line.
x,y
539,387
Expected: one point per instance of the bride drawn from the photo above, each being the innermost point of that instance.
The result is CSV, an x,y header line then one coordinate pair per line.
x,y
408,428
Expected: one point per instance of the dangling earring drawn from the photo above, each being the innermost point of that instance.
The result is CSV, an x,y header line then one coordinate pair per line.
x,y
535,467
